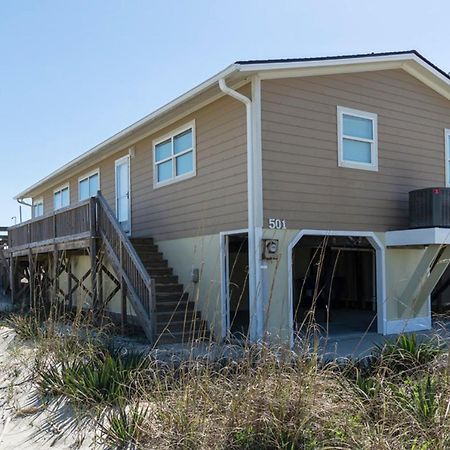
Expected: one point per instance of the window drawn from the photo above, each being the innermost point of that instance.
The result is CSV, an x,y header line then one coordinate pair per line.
x,y
357,139
61,197
38,207
447,157
174,157
89,186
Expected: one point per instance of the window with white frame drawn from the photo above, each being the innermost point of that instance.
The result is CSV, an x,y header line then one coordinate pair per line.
x,y
38,207
88,186
174,156
447,157
61,197
357,139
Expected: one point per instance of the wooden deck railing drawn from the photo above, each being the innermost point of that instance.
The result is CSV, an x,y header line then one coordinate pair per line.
x,y
127,265
94,218
62,224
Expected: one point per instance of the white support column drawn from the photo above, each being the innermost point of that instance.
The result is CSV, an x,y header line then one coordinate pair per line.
x,y
417,278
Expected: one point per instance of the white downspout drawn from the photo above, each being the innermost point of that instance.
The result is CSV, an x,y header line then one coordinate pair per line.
x,y
253,248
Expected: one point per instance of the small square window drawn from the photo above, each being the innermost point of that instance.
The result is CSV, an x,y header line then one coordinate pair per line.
x,y
357,139
174,157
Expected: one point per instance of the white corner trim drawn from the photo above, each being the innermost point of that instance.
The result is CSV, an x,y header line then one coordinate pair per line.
x,y
447,156
408,325
380,263
373,166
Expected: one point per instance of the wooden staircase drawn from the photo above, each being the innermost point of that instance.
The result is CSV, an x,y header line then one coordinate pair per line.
x,y
176,318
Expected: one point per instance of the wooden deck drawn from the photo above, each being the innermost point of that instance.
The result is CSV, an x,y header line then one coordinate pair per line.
x,y
67,228
89,226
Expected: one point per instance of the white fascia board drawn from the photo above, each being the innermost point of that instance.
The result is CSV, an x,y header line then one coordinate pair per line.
x,y
132,128
260,67
418,237
409,62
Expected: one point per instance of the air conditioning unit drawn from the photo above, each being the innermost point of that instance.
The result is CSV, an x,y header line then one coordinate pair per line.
x,y
429,208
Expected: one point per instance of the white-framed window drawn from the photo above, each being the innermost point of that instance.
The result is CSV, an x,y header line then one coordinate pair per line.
x,y
89,185
38,207
61,197
447,157
174,156
357,139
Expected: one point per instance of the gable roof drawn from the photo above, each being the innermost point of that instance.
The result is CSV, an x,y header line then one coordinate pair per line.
x,y
239,72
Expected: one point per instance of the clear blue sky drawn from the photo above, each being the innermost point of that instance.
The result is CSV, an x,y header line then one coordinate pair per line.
x,y
73,73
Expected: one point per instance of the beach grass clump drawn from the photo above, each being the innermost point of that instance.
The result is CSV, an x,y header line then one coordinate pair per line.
x,y
101,378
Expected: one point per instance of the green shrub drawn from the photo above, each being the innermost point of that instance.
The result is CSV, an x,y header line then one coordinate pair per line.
x,y
124,427
406,353
103,378
420,398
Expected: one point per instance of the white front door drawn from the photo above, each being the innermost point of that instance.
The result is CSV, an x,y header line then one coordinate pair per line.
x,y
123,210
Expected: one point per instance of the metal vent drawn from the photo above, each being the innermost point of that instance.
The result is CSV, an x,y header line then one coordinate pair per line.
x,y
429,208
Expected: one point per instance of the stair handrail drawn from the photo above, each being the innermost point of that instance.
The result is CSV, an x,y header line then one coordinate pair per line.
x,y
126,249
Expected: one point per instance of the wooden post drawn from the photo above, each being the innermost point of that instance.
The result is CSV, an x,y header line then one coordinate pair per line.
x,y
12,281
55,275
93,251
123,294
69,283
31,280
100,285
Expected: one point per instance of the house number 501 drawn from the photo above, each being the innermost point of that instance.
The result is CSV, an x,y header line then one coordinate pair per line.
x,y
277,224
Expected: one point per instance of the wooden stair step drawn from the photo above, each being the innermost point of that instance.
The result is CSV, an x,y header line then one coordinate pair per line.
x,y
165,279
141,240
177,315
175,327
176,305
174,288
168,337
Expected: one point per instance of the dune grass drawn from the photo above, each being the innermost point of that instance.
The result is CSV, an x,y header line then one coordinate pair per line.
x,y
267,398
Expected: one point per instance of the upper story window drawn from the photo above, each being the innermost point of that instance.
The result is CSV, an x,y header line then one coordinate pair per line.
x,y
89,185
447,157
61,197
174,156
38,207
357,139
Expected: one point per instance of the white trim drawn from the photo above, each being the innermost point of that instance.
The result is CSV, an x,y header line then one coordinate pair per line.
x,y
408,325
380,272
329,62
341,111
409,62
254,248
88,175
224,272
58,189
117,162
35,202
175,179
447,156
418,237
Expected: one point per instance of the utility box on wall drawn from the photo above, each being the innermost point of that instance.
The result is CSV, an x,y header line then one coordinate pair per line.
x,y
429,208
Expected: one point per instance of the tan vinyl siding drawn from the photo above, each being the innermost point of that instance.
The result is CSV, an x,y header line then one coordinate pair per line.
x,y
301,179
213,200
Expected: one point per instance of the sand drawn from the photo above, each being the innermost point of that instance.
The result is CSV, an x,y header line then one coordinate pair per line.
x,y
25,422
